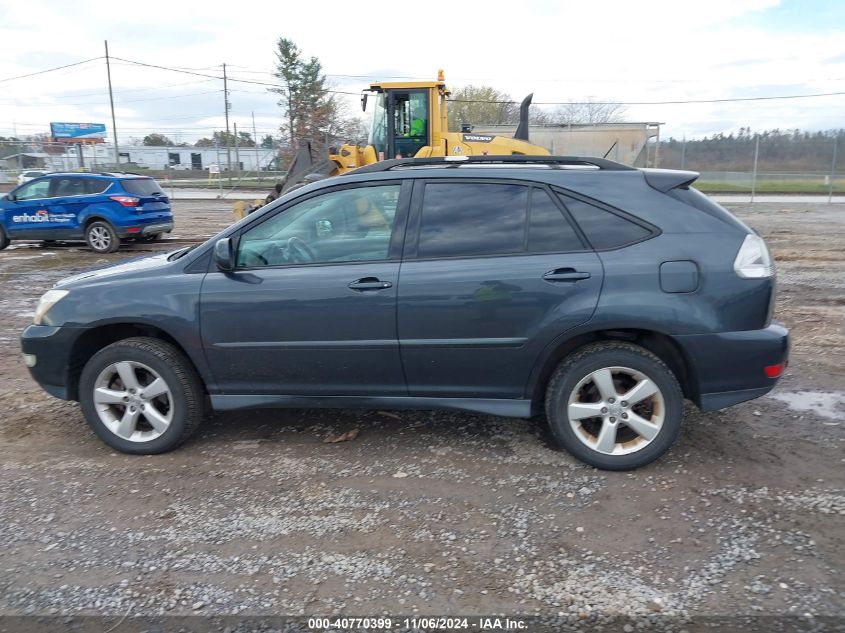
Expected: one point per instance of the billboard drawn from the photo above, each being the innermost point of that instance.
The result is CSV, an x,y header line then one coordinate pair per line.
x,y
78,131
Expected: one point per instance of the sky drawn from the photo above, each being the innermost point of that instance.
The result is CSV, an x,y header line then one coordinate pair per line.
x,y
647,51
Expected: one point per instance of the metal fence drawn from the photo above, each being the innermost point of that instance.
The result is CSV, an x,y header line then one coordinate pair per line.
x,y
752,165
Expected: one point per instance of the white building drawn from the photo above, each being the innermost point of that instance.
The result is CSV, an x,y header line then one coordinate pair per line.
x,y
177,158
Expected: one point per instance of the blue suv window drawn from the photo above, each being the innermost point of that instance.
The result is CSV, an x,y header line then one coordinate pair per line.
x,y
70,186
34,190
141,186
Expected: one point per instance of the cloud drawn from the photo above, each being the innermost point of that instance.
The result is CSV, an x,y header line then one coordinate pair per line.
x,y
621,50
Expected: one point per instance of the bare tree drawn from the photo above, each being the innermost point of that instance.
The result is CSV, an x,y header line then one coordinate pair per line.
x,y
589,112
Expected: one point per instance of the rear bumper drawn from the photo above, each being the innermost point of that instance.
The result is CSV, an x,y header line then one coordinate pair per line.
x,y
160,227
728,368
152,228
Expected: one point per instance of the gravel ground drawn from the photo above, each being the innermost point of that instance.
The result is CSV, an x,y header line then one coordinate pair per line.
x,y
435,513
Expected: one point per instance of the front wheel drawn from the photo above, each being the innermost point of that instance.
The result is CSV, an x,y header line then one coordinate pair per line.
x,y
614,405
101,237
141,396
4,239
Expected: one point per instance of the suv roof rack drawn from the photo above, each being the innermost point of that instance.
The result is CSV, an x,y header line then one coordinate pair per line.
x,y
555,162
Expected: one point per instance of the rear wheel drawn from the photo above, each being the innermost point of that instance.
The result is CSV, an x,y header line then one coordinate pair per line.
x,y
614,405
141,396
101,237
4,239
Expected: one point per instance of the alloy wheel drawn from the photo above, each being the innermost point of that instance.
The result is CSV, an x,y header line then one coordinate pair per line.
x,y
133,401
616,410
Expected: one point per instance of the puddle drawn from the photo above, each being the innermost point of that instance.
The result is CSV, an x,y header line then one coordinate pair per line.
x,y
828,404
18,257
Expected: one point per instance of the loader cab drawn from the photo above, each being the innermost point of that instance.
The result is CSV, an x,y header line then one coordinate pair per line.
x,y
401,122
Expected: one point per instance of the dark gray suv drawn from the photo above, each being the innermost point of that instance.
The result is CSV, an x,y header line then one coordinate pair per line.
x,y
598,294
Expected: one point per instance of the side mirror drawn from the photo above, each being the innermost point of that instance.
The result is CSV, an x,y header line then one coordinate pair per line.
x,y
11,197
364,101
224,255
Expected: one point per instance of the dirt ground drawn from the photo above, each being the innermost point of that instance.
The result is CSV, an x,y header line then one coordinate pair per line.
x,y
437,513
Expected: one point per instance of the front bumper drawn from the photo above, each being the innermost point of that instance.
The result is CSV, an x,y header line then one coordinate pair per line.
x,y
48,349
728,368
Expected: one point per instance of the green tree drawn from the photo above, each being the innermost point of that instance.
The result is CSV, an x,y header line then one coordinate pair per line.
x,y
267,142
245,139
481,105
310,111
157,140
219,137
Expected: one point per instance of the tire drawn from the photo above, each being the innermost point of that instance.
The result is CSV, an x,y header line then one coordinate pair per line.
x,y
4,239
101,237
606,440
128,421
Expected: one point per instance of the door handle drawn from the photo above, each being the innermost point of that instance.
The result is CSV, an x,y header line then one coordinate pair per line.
x,y
369,283
565,274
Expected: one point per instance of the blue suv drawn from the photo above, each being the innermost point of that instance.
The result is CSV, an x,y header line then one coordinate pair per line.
x,y
598,294
102,209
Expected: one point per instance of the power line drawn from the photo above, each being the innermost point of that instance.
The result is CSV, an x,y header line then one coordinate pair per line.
x,y
220,77
683,102
85,103
50,70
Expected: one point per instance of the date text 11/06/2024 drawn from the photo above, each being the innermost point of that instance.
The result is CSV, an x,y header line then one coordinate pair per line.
x,y
418,624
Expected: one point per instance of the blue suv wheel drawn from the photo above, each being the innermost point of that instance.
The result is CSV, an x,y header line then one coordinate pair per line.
x,y
101,237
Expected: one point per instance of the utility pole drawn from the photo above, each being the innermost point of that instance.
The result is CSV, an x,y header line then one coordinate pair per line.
x,y
255,139
19,144
111,103
833,169
754,174
237,152
226,111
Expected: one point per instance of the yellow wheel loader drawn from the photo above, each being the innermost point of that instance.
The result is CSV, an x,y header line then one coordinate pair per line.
x,y
409,120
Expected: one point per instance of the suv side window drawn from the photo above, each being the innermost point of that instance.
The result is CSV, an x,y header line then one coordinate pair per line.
x,y
34,190
96,185
471,218
69,186
348,225
548,230
604,229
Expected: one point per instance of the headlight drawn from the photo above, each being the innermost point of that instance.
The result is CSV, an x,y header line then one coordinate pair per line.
x,y
50,298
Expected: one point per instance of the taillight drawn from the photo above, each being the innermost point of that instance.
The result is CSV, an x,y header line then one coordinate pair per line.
x,y
753,260
126,201
774,371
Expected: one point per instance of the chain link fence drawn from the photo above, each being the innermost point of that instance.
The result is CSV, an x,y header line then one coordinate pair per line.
x,y
778,163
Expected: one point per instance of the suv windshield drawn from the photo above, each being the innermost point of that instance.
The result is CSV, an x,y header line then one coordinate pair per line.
x,y
141,186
